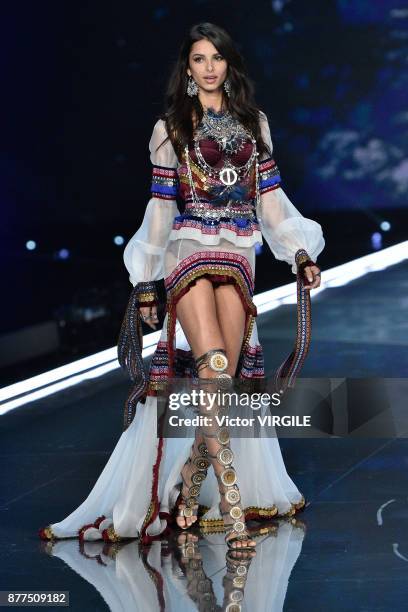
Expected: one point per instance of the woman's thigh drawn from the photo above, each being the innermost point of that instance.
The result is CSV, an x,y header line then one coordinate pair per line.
x,y
212,317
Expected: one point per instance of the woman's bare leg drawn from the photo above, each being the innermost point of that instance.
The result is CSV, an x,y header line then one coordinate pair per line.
x,y
196,312
212,318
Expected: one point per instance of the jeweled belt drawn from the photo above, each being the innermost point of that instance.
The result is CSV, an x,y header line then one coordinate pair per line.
x,y
219,213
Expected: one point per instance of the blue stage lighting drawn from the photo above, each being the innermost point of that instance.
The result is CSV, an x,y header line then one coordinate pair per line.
x,y
63,254
376,240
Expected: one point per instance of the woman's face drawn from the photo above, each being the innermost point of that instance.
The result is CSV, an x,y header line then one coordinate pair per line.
x,y
207,66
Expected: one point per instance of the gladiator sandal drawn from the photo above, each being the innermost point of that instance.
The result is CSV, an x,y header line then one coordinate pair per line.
x,y
221,456
193,474
230,504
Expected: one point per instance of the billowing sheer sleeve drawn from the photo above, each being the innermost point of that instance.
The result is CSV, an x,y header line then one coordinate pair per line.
x,y
144,253
284,228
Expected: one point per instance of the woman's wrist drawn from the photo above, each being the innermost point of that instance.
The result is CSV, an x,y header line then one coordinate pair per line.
x,y
146,293
303,260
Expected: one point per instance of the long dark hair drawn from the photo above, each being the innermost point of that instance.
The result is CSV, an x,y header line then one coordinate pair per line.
x,y
180,107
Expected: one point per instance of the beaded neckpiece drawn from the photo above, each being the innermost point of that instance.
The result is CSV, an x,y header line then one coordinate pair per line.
x,y
227,132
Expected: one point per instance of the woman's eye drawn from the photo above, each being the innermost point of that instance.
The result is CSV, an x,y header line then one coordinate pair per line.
x,y
219,57
197,59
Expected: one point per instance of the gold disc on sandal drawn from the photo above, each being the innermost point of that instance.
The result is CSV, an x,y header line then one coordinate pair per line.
x,y
236,596
187,512
202,449
225,456
233,607
239,527
197,478
238,581
241,570
232,496
228,477
194,491
235,512
201,463
218,362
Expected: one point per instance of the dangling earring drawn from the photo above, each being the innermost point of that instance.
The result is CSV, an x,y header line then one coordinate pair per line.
x,y
192,87
227,87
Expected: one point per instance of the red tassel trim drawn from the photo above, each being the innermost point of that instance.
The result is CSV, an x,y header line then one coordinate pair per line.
x,y
43,534
154,497
105,536
82,529
99,521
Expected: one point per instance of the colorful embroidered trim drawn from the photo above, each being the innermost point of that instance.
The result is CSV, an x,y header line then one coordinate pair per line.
x,y
287,372
240,227
164,183
269,177
223,262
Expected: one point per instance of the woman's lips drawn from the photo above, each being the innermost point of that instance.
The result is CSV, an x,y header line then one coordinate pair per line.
x,y
210,79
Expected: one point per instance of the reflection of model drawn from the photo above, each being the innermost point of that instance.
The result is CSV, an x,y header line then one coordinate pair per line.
x,y
172,576
213,149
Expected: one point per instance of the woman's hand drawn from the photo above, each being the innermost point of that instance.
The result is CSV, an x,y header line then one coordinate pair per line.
x,y
312,275
149,315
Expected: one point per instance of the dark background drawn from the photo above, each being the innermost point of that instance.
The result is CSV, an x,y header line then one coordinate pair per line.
x,y
83,84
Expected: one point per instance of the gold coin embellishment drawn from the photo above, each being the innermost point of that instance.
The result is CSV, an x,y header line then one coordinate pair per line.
x,y
232,496
241,570
197,478
239,581
239,526
188,512
236,512
236,596
202,449
233,607
194,490
191,502
225,456
228,477
201,463
223,436
218,362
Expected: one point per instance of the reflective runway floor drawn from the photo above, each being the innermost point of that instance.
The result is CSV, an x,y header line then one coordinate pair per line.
x,y
348,549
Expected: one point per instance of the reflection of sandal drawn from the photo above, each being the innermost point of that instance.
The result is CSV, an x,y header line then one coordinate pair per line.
x,y
196,467
237,562
199,587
